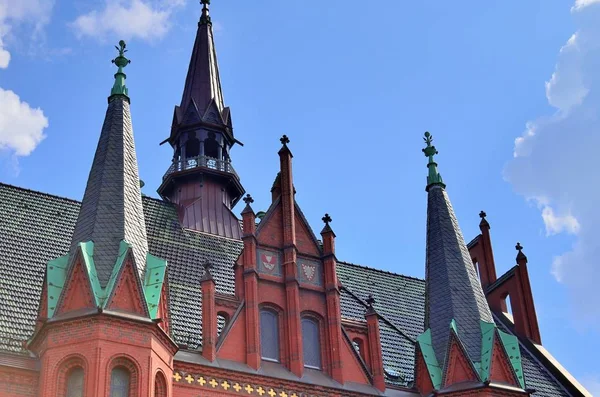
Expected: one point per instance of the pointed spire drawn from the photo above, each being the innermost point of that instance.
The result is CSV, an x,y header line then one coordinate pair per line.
x,y
203,84
121,61
434,177
453,290
111,211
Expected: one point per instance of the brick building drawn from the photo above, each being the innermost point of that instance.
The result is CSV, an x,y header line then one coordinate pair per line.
x,y
125,295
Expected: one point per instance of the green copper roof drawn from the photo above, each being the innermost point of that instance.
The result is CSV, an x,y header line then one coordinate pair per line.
x,y
56,273
487,346
434,369
156,270
121,61
511,346
434,177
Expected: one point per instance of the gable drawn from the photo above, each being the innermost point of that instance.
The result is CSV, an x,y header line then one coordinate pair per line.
x,y
77,293
127,295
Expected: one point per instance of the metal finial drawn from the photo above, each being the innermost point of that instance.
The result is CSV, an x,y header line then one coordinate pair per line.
x,y
434,177
205,18
284,140
326,219
482,214
519,247
370,301
121,61
248,199
207,269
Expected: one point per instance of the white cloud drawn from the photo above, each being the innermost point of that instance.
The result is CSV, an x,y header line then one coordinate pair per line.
x,y
559,223
21,127
33,13
127,19
580,4
555,162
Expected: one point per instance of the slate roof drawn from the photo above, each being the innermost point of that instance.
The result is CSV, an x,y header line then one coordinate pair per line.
x,y
111,210
36,227
453,289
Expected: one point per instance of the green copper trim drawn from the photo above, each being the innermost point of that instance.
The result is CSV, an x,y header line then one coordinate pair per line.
x,y
433,368
453,326
487,346
156,270
87,252
511,346
434,177
124,247
56,273
121,61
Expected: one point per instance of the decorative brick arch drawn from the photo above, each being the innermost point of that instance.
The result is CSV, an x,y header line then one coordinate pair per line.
x,y
65,368
160,385
134,369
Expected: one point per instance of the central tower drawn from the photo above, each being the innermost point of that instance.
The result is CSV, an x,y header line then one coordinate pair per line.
x,y
201,180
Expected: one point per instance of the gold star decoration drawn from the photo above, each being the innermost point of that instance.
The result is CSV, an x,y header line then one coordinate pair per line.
x,y
249,389
293,395
189,378
213,383
237,387
202,381
225,385
176,376
260,390
283,394
272,393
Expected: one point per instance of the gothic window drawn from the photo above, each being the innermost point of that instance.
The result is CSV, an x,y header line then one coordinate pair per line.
x,y
311,343
192,148
269,335
75,383
119,382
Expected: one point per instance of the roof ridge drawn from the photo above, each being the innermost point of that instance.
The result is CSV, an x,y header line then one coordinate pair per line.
x,y
39,192
380,270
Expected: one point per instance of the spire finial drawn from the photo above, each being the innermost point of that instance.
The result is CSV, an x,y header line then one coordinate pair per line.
x,y
434,177
248,199
326,219
121,61
284,140
482,214
370,302
207,265
205,18
520,255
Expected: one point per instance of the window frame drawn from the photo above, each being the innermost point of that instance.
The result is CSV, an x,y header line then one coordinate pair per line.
x,y
316,320
276,313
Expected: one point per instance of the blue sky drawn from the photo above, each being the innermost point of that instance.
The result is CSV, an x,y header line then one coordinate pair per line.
x,y
509,91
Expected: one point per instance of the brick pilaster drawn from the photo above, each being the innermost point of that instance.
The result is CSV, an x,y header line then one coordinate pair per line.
x,y
292,289
250,292
334,320
487,267
526,324
375,349
209,318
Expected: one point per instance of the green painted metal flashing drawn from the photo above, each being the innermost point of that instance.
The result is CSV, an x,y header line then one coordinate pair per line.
x,y
121,61
124,247
453,326
434,369
488,331
434,177
511,346
156,270
56,273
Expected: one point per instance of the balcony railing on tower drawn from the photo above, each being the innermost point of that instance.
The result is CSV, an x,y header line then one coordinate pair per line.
x,y
201,161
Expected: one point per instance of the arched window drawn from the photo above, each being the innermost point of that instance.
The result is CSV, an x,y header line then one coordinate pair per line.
x,y
119,382
192,148
269,335
160,385
311,343
75,383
